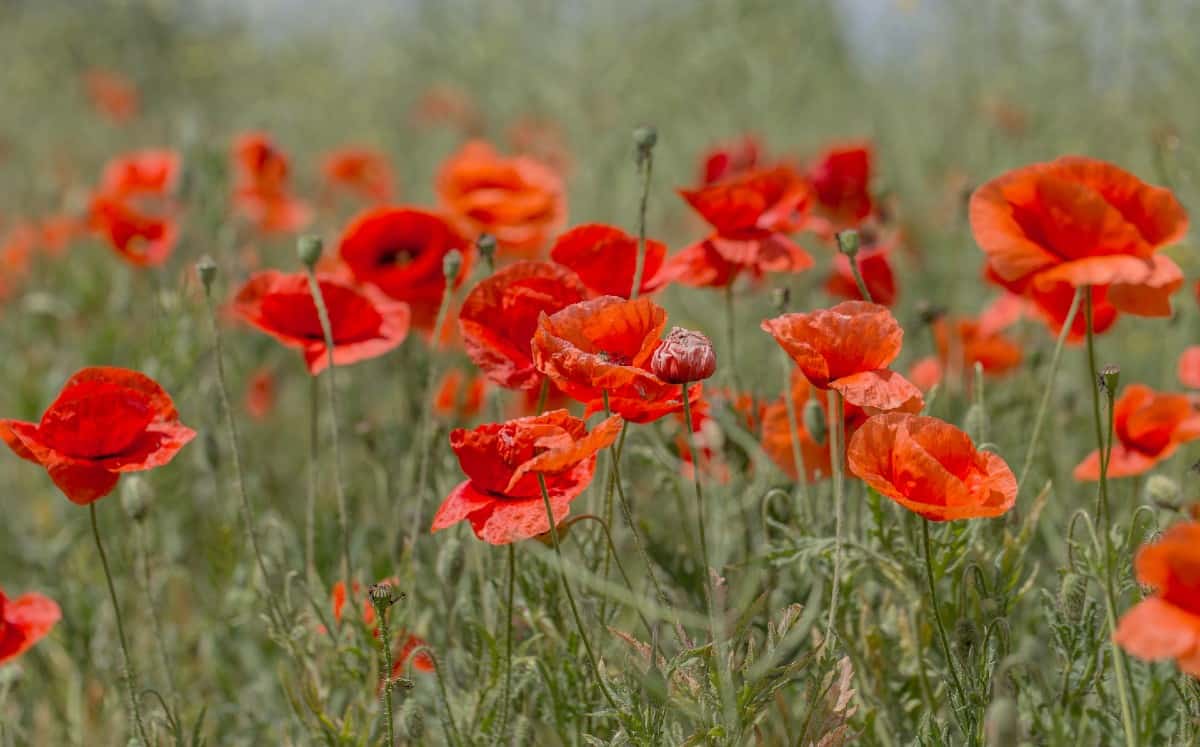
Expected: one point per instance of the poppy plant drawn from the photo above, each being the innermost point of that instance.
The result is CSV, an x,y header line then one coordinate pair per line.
x,y
931,468
104,422
500,315
603,348
517,200
1166,625
1148,427
1051,304
841,180
459,395
112,95
1189,367
777,434
24,621
134,208
262,190
848,348
400,251
605,258
1081,222
503,463
364,324
361,172
875,267
730,159
751,216
406,642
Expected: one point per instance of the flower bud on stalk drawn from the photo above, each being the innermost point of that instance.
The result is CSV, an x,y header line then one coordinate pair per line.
x,y
309,249
452,265
814,422
683,357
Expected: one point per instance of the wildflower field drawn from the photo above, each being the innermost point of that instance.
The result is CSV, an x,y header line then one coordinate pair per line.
x,y
525,372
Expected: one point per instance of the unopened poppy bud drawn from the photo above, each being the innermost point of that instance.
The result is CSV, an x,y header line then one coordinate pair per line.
x,y
309,248
814,422
1072,594
382,595
486,244
1002,723
207,269
966,635
644,138
450,560
452,265
683,357
1162,490
135,498
848,242
781,298
929,312
1110,376
413,719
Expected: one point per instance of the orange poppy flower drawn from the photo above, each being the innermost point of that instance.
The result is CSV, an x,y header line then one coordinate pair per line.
x,y
848,348
1167,624
926,373
777,434
1189,367
364,324
134,206
730,159
605,258
606,345
262,190
500,315
874,263
24,621
1051,304
841,180
972,341
362,172
518,200
501,496
459,395
1079,221
1149,426
931,468
112,95
400,251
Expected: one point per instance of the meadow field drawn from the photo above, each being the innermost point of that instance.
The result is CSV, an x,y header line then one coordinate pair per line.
x,y
536,372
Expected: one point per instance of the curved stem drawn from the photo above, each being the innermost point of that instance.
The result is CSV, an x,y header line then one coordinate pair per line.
x,y
837,457
1048,391
941,629
562,572
612,547
331,394
129,676
508,640
858,278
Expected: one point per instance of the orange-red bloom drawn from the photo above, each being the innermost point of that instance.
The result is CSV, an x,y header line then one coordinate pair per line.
x,y
400,250
874,263
105,421
134,207
500,315
1189,367
1148,426
112,95
459,395
364,324
1052,303
752,215
518,200
777,434
848,348
24,621
262,187
362,172
1079,221
961,343
501,496
730,159
841,179
260,393
604,346
605,258
1167,624
931,468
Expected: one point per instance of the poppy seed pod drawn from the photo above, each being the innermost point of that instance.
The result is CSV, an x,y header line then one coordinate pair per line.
x,y
645,138
1110,378
486,244
683,357
207,269
452,265
309,249
848,242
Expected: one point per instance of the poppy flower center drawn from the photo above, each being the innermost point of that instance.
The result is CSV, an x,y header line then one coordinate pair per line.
x,y
352,317
96,420
397,256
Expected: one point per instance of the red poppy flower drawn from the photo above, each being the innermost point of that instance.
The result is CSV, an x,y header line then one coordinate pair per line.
x,y
841,179
605,258
500,315
926,373
134,206
1167,624
57,233
459,395
518,200
1052,303
605,345
931,468
1189,367
262,191
400,250
362,172
409,644
875,265
501,497
151,171
1148,426
777,435
364,324
730,159
1078,221
143,240
962,343
848,348
105,421
24,621
16,257
112,95
260,393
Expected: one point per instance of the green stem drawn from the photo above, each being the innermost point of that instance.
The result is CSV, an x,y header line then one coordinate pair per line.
x,y
314,288
562,572
858,278
941,629
143,550
836,458
508,640
731,336
1048,391
129,675
385,667
645,165
695,453
543,395
314,450
794,431
612,547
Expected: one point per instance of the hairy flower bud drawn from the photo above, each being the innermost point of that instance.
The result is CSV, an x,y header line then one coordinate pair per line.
x,y
1072,594
309,249
814,422
966,636
683,357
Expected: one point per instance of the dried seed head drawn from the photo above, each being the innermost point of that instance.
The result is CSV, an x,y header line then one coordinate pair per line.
x,y
452,265
815,422
309,248
1110,377
644,138
683,357
382,595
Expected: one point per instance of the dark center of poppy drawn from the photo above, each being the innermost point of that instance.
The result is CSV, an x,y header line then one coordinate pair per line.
x,y
397,256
